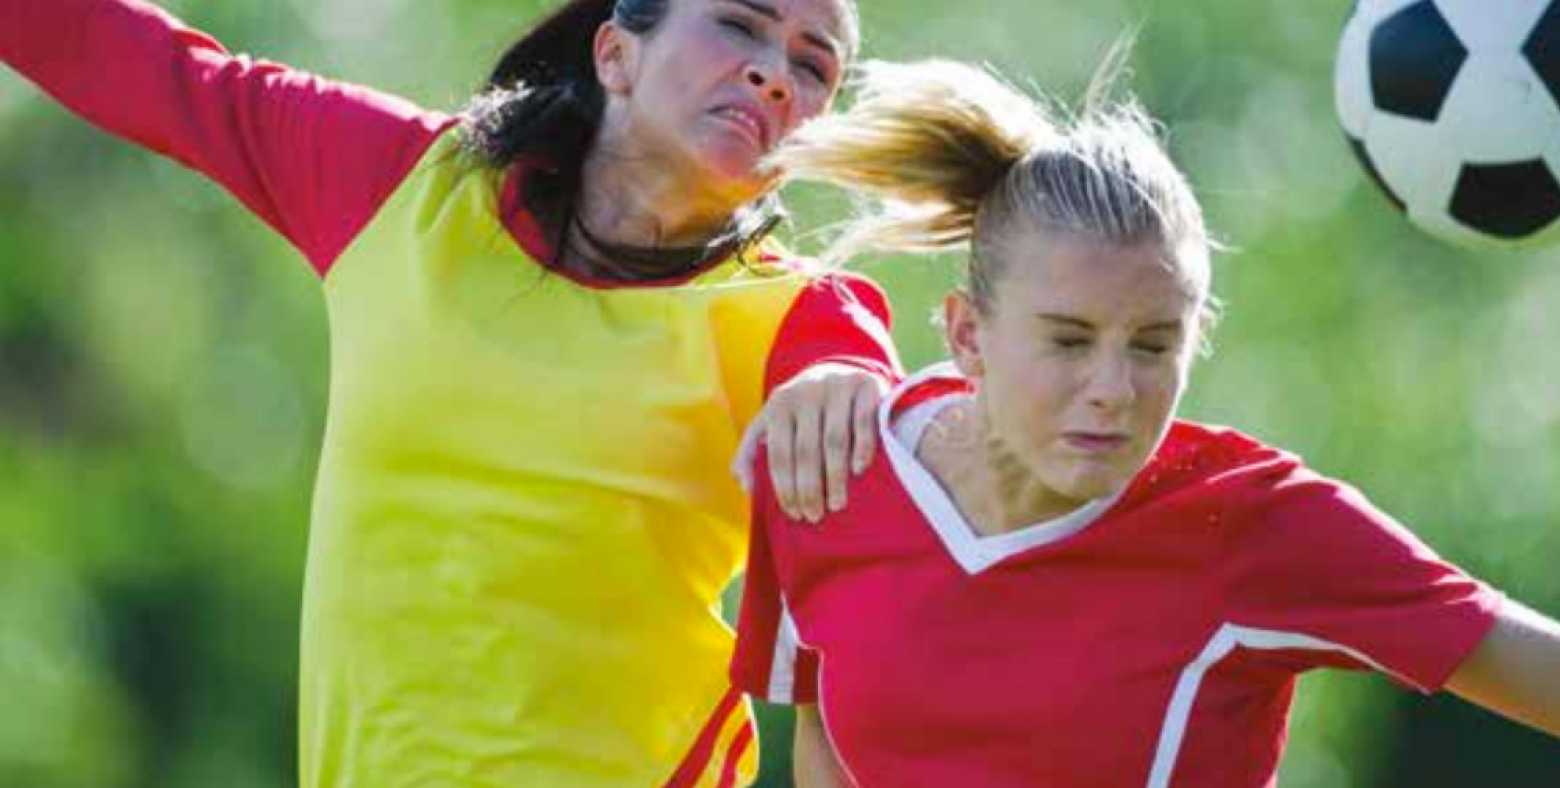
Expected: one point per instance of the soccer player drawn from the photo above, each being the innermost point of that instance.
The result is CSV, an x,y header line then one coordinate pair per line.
x,y
1045,579
552,316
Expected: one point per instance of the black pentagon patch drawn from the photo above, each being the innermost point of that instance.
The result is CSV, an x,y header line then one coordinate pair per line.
x,y
1542,49
1510,201
1414,56
1375,174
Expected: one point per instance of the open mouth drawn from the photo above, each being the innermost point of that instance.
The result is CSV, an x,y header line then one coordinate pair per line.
x,y
746,120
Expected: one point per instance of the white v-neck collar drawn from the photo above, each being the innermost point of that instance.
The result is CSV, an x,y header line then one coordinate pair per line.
x,y
973,552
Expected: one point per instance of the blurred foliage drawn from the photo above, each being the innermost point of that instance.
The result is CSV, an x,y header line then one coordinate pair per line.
x,y
163,373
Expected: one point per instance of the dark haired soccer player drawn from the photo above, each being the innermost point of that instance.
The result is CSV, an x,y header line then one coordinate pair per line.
x,y
552,316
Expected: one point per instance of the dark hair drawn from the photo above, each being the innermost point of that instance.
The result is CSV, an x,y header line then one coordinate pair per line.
x,y
543,101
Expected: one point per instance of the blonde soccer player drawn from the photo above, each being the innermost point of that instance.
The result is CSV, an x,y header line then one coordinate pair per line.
x,y
1046,578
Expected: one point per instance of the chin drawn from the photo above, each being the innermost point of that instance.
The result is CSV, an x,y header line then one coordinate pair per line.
x,y
731,169
1087,484
1088,491
737,186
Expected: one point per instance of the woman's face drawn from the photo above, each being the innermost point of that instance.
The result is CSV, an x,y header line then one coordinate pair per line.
x,y
1081,360
715,85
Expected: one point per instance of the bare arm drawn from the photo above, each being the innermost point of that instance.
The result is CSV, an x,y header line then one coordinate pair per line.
x,y
813,762
1515,670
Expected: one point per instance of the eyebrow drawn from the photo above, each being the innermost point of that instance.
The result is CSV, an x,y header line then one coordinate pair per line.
x,y
772,13
1068,320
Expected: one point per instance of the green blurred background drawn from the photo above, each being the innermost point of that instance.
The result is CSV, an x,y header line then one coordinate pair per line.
x,y
163,375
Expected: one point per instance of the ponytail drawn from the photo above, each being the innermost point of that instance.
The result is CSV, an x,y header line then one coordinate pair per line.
x,y
932,140
954,156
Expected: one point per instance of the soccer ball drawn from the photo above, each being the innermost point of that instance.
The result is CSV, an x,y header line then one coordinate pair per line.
x,y
1453,107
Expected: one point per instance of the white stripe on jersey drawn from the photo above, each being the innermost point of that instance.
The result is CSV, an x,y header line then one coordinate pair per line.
x,y
966,546
1219,646
782,669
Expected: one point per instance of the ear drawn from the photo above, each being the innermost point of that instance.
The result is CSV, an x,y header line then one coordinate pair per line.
x,y
961,322
616,53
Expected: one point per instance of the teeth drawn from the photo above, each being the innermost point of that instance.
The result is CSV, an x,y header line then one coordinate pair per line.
x,y
745,119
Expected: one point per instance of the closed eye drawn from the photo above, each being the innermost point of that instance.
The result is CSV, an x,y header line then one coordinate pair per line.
x,y
814,71
740,26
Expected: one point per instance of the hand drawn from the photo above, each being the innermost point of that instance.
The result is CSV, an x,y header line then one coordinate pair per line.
x,y
814,425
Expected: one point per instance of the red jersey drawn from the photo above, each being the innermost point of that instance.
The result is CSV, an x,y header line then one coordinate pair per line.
x,y
1150,638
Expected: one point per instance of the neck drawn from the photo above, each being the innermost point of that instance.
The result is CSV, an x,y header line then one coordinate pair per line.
x,y
996,492
632,197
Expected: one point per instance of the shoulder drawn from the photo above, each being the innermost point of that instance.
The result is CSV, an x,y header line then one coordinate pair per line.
x,y
444,166
880,518
1242,483
1263,495
1213,461
830,290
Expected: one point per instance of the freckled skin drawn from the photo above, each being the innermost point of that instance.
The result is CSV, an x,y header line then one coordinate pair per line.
x,y
1079,364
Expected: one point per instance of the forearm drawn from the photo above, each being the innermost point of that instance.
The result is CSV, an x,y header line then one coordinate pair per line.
x,y
813,762
1515,670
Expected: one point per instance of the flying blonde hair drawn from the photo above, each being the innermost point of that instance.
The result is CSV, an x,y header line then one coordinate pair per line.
x,y
953,155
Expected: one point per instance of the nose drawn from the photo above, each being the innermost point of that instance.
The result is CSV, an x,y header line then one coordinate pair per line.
x,y
769,80
1110,387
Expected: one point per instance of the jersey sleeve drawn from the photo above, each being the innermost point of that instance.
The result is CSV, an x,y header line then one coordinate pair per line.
x,y
838,318
770,662
1319,576
312,158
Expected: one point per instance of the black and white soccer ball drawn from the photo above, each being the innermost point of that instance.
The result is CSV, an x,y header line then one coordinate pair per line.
x,y
1453,106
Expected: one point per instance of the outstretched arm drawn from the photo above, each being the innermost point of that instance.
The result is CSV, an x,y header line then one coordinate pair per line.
x,y
312,158
1515,670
